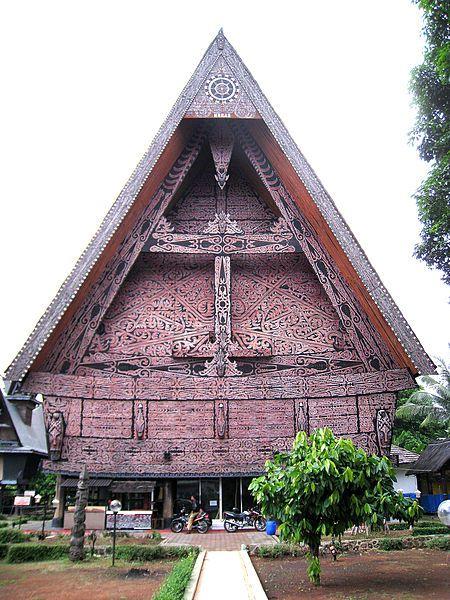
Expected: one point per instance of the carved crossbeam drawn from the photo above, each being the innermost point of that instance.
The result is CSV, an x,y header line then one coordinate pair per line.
x,y
222,236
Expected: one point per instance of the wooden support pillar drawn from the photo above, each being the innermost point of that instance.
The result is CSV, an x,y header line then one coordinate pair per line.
x,y
58,516
167,503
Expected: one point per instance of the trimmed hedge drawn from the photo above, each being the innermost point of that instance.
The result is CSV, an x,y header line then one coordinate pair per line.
x,y
143,553
440,542
398,526
3,550
12,536
176,583
20,553
435,530
391,544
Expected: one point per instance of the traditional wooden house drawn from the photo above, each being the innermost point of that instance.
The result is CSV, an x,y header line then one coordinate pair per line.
x,y
222,306
432,470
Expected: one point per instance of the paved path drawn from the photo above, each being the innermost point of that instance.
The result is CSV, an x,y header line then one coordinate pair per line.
x,y
224,575
218,540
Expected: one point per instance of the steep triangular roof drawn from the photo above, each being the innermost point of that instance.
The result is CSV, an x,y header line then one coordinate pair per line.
x,y
168,142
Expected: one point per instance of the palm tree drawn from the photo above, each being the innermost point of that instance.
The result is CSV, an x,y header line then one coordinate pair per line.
x,y
431,402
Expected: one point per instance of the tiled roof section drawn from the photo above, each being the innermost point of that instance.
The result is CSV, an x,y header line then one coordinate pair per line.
x,y
221,47
405,457
433,458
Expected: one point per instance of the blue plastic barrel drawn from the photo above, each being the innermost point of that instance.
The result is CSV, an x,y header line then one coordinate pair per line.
x,y
271,527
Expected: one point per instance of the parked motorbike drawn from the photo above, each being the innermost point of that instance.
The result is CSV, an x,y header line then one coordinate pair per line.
x,y
235,519
201,523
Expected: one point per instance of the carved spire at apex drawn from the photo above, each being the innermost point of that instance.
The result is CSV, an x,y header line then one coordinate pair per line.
x,y
220,39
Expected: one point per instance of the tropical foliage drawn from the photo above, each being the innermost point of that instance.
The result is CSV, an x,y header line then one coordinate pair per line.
x,y
430,86
324,486
423,415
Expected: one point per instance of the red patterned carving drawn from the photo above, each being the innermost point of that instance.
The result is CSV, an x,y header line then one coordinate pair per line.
x,y
73,343
367,342
279,307
165,308
165,385
180,420
340,414
218,349
262,419
104,419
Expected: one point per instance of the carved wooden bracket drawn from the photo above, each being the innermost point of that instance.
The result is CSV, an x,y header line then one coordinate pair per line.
x,y
221,141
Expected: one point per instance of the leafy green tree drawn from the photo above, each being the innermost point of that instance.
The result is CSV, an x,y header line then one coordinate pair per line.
x,y
430,85
44,484
324,486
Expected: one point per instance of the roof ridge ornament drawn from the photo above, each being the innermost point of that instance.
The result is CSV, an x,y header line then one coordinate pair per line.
x,y
220,40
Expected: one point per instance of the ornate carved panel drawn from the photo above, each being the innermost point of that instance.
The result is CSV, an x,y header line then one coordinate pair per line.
x,y
56,428
165,308
104,419
181,420
280,308
261,419
221,415
339,414
369,345
301,416
203,200
73,343
221,96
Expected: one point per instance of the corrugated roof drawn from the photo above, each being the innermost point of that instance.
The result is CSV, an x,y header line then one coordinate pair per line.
x,y
433,458
72,482
405,457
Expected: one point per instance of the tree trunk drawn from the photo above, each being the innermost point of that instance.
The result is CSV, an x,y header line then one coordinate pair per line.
x,y
313,570
77,539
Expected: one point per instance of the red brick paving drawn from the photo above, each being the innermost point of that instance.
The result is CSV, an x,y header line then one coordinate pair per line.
x,y
217,540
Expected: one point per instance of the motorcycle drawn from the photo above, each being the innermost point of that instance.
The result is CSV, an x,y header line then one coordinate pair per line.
x,y
201,523
235,519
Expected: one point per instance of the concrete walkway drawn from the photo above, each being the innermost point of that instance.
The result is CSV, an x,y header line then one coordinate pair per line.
x,y
228,575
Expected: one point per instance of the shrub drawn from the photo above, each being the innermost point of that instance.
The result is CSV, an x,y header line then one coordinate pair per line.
x,y
280,550
3,517
20,553
391,544
436,529
175,584
12,536
137,553
3,524
398,526
154,535
3,550
441,542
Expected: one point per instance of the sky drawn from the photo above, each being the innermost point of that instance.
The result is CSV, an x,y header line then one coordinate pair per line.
x,y
87,84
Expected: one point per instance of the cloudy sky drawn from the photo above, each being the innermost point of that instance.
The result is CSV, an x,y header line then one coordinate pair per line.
x,y
87,84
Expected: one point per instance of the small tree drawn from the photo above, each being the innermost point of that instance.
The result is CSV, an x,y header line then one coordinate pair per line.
x,y
323,486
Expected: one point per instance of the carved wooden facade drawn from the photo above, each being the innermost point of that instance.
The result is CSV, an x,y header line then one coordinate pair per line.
x,y
223,319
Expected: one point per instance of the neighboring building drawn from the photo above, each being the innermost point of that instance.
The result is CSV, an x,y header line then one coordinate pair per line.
x,y
222,306
23,439
433,474
404,460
